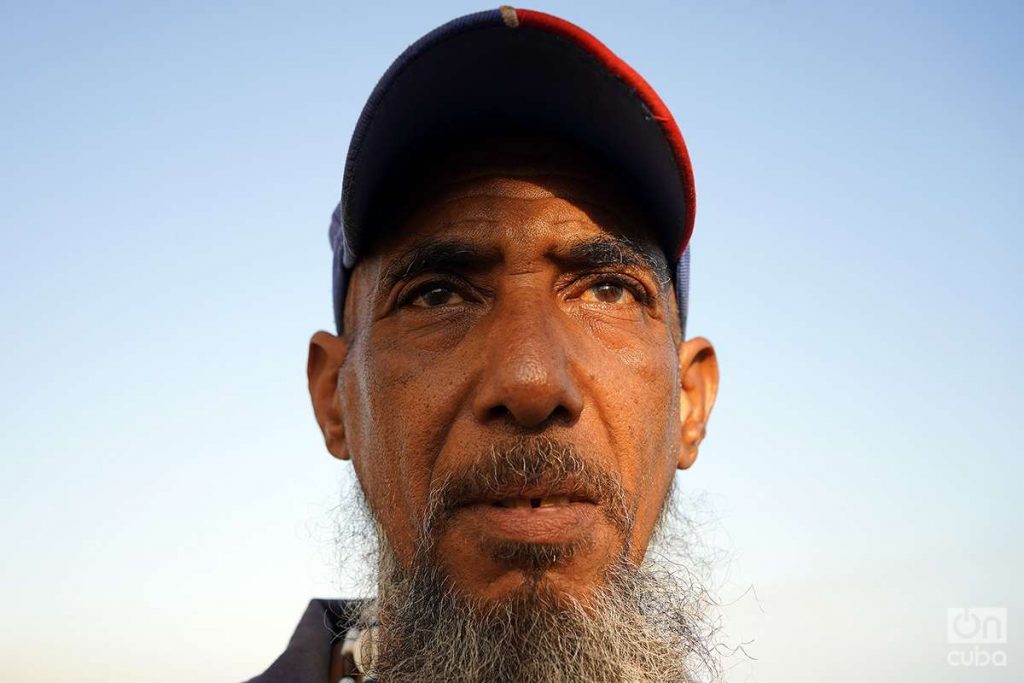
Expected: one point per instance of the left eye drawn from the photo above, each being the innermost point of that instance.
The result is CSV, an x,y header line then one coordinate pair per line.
x,y
608,293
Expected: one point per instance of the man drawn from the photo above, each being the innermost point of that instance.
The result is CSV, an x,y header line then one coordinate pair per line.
x,y
510,378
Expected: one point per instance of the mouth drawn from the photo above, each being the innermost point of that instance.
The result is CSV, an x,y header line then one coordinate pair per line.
x,y
534,496
532,516
522,502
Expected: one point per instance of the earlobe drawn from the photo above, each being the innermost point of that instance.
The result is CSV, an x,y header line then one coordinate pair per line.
x,y
698,375
326,355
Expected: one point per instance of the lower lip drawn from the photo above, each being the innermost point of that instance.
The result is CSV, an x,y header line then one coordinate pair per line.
x,y
553,524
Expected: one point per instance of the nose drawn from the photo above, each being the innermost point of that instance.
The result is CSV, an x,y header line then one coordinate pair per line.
x,y
528,375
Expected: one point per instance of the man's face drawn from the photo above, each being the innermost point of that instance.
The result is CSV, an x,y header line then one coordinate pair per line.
x,y
511,388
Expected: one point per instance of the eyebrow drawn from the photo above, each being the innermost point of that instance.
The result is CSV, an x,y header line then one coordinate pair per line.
x,y
437,256
459,256
616,250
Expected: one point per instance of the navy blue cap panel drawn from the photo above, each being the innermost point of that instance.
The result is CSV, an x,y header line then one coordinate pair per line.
x,y
343,226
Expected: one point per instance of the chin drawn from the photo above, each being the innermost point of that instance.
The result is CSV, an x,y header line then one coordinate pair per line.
x,y
536,573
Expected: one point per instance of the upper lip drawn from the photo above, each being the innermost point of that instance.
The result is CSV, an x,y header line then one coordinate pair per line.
x,y
572,493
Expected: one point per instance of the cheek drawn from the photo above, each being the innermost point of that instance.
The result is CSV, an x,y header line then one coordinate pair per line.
x,y
398,407
640,370
637,379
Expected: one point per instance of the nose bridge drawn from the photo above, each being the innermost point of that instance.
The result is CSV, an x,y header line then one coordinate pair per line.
x,y
528,376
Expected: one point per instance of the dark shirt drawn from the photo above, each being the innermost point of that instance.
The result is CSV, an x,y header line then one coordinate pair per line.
x,y
307,659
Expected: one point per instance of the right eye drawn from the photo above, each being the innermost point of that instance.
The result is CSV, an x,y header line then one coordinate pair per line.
x,y
433,295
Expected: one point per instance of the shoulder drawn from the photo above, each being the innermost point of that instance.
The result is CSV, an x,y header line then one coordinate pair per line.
x,y
307,658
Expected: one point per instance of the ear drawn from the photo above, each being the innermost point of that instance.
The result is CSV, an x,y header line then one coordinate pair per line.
x,y
326,354
698,372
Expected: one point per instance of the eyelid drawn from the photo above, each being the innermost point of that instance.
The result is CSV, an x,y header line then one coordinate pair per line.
x,y
420,284
635,286
415,289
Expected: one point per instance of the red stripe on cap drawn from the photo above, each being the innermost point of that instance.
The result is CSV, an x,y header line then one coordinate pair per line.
x,y
647,94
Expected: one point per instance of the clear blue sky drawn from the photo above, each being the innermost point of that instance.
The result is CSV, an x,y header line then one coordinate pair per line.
x,y
167,176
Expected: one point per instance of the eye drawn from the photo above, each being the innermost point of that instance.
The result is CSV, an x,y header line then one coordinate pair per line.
x,y
433,295
609,292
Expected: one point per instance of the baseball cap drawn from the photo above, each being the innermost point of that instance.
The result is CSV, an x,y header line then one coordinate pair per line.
x,y
519,70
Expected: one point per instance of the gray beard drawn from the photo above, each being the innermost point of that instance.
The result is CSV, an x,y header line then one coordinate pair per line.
x,y
643,624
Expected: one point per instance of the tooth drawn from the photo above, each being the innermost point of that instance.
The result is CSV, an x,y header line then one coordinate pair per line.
x,y
519,503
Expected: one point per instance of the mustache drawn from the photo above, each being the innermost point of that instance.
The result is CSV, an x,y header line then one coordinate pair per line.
x,y
513,467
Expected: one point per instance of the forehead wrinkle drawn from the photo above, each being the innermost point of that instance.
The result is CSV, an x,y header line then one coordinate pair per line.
x,y
570,208
468,209
474,215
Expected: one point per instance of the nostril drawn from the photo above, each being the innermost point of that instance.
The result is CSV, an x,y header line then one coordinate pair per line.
x,y
500,413
561,415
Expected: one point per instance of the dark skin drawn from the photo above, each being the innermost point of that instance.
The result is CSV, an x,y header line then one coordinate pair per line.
x,y
514,302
